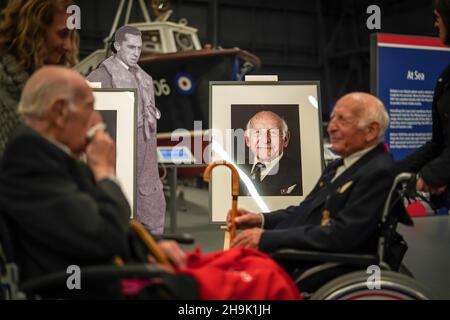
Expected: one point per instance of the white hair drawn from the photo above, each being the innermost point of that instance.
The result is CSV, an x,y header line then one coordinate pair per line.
x,y
35,101
284,126
375,113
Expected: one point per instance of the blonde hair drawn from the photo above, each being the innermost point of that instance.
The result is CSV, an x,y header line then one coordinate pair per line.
x,y
23,31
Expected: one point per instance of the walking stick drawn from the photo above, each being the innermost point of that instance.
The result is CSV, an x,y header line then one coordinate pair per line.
x,y
231,234
151,244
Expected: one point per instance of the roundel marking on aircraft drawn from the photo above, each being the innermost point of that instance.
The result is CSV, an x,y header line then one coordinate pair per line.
x,y
184,83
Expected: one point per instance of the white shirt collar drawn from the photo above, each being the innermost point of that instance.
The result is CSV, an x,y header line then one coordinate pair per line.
x,y
269,165
350,160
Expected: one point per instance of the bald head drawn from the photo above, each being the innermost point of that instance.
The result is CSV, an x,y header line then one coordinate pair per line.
x,y
367,108
267,135
50,84
268,116
58,103
359,121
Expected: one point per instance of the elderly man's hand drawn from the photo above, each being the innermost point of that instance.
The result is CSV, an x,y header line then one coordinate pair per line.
x,y
422,186
245,219
101,155
173,252
248,238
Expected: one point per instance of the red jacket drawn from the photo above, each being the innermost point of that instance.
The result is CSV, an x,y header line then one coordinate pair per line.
x,y
240,274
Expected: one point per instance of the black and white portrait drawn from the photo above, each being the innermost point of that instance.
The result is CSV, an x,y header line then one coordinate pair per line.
x,y
271,155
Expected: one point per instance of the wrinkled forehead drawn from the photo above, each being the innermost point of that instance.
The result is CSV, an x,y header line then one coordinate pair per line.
x,y
265,121
347,107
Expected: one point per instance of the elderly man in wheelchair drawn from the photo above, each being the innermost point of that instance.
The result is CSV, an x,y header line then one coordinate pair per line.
x,y
340,226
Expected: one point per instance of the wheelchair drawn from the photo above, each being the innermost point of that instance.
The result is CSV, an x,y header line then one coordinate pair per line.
x,y
332,276
166,285
342,276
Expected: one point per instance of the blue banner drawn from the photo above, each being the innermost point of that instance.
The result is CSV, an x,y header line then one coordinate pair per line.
x,y
406,76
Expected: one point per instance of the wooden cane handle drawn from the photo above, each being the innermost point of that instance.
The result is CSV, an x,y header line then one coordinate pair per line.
x,y
151,244
235,191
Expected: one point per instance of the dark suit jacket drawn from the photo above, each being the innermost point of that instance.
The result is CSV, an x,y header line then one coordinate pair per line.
x,y
60,215
355,200
433,158
277,183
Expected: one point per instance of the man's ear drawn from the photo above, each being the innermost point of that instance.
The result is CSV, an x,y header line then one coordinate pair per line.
x,y
286,139
117,46
58,112
247,140
373,130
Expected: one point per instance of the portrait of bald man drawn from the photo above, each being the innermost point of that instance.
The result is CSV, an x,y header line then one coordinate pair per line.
x,y
273,168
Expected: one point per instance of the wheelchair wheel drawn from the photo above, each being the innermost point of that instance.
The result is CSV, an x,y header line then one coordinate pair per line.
x,y
353,286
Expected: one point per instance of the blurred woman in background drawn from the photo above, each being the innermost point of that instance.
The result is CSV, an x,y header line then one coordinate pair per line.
x,y
431,162
33,33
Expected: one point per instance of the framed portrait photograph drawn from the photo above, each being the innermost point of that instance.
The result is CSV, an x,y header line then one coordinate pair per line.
x,y
118,108
272,133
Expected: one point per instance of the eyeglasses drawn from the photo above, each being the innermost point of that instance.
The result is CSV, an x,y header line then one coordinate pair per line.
x,y
273,133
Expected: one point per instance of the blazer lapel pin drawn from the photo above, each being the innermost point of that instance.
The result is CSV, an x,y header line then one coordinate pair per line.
x,y
344,187
288,190
326,215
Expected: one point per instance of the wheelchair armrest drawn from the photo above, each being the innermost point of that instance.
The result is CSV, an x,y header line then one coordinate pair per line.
x,y
182,238
317,256
100,272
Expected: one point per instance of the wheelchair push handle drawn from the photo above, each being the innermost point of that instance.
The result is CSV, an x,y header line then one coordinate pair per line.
x,y
402,179
408,177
